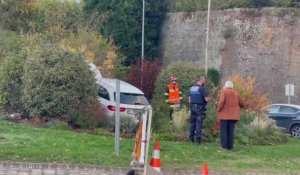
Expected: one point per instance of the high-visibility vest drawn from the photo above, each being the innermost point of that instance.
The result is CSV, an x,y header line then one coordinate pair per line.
x,y
174,96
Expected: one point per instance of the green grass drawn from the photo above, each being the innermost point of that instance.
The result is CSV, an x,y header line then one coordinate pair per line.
x,y
29,144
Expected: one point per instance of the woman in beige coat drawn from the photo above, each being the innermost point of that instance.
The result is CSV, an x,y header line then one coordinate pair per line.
x,y
228,110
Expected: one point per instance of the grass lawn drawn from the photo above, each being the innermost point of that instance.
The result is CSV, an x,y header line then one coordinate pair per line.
x,y
29,144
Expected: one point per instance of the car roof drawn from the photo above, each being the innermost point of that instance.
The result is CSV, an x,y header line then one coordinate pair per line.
x,y
282,104
124,86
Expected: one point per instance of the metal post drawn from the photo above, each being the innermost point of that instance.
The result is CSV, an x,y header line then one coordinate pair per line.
x,y
289,96
143,29
207,38
149,123
143,35
117,118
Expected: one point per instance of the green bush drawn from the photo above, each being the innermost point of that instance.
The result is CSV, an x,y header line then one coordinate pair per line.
x,y
187,75
11,70
260,131
13,15
56,82
213,75
10,43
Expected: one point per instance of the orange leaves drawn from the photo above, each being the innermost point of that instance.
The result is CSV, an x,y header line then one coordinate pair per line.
x,y
246,87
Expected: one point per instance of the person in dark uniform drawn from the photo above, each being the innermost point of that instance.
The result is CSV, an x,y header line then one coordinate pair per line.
x,y
198,98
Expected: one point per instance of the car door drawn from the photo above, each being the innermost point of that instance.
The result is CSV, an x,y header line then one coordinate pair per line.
x,y
284,116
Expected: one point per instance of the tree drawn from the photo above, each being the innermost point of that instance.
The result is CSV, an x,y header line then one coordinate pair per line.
x,y
148,74
123,21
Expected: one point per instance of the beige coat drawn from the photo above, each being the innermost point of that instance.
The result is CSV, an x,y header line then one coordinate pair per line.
x,y
229,105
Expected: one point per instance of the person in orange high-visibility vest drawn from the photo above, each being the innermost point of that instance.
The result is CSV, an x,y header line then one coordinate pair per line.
x,y
172,94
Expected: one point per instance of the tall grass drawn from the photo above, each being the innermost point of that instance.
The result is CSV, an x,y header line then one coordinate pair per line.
x,y
180,119
260,131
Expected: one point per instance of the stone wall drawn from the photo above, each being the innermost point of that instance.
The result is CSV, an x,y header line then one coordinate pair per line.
x,y
263,43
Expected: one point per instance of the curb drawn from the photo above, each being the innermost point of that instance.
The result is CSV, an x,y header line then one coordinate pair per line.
x,y
27,168
6,165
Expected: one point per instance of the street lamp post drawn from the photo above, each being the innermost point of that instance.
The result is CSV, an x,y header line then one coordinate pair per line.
x,y
143,29
207,37
143,35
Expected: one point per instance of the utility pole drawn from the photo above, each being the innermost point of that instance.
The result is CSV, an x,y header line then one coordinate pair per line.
x,y
143,35
143,29
207,37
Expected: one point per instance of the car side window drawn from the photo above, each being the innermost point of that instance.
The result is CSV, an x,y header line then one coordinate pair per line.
x,y
287,109
273,109
103,93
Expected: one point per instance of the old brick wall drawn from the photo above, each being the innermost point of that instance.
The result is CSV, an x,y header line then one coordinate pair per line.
x,y
264,43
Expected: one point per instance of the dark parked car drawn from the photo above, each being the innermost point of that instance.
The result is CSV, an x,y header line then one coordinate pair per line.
x,y
287,117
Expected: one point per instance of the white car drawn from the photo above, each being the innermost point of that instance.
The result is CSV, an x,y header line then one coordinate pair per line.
x,y
132,99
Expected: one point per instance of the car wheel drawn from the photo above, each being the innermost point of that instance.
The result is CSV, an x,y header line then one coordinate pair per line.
x,y
295,131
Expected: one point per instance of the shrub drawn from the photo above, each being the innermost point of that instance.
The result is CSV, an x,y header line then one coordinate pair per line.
x,y
11,70
211,113
187,75
56,82
213,75
127,126
260,131
13,15
88,116
144,76
10,43
253,100
121,72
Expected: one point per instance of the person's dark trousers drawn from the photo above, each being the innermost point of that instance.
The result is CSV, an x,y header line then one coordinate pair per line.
x,y
196,121
227,133
171,113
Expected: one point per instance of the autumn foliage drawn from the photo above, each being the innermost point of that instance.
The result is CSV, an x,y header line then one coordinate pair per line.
x,y
144,76
254,101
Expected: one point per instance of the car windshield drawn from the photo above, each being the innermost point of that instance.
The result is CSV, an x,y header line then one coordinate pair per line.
x,y
132,99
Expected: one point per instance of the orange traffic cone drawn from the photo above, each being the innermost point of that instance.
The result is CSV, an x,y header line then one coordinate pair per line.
x,y
204,169
155,161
